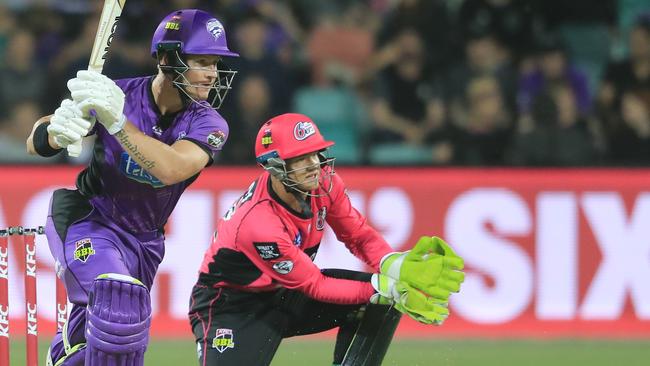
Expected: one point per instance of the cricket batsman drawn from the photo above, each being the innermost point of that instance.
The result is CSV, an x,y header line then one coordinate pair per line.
x,y
154,136
258,283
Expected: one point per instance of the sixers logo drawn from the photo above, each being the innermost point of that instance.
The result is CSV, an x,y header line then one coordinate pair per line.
x,y
302,130
215,28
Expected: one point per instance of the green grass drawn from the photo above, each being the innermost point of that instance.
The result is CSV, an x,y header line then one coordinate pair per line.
x,y
421,352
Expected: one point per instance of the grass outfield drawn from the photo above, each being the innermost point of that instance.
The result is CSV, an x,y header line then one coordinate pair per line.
x,y
424,353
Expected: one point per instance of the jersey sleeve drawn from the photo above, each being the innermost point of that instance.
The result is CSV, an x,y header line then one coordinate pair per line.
x,y
353,229
209,131
266,242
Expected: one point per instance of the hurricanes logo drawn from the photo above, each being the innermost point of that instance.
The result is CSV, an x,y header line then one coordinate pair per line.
x,y
83,249
216,139
302,130
267,139
215,28
223,339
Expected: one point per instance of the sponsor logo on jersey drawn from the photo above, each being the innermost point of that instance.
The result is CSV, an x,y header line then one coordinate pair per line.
x,y
215,28
83,249
283,267
302,130
267,139
297,241
223,339
267,250
134,171
320,221
216,139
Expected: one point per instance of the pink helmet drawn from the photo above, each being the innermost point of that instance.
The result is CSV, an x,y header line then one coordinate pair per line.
x,y
287,136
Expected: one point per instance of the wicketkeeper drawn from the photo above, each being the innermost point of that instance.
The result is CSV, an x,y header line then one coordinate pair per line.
x,y
258,283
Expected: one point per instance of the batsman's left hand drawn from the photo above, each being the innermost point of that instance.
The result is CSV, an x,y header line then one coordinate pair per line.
x,y
431,267
93,91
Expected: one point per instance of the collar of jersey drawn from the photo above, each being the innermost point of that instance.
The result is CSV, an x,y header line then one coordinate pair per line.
x,y
277,199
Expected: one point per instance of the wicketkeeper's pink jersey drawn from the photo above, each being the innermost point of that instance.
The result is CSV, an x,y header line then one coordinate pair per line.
x,y
262,244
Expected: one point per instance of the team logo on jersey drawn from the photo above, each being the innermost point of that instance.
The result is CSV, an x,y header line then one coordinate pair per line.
x,y
302,130
216,139
134,171
157,130
83,249
266,138
297,241
223,339
267,250
215,28
283,267
320,221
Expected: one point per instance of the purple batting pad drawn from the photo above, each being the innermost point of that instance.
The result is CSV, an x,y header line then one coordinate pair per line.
x,y
117,321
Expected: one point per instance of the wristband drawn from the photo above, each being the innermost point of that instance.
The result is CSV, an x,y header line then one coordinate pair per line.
x,y
41,141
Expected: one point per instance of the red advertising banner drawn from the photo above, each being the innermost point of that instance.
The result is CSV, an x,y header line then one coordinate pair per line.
x,y
549,253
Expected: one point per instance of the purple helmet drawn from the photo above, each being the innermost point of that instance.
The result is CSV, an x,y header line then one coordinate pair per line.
x,y
198,33
193,32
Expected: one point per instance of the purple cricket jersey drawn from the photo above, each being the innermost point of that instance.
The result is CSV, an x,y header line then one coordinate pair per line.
x,y
118,187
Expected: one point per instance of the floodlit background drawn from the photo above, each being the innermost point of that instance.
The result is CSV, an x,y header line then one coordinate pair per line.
x,y
518,130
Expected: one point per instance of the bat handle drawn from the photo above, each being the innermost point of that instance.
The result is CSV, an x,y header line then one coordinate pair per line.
x,y
74,149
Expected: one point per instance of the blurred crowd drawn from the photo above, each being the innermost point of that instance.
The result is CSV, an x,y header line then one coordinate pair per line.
x,y
392,82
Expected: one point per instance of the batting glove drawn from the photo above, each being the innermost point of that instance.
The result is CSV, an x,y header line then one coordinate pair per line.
x,y
96,92
408,300
67,125
431,266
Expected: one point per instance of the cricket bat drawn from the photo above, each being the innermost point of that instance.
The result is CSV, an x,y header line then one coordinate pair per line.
x,y
103,38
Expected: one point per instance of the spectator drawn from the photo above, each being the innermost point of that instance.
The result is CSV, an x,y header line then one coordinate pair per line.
x,y
429,19
556,136
553,68
629,141
632,73
512,22
253,107
21,77
7,24
400,109
484,56
13,130
484,127
255,57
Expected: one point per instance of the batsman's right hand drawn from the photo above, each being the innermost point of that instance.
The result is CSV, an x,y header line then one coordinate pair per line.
x,y
431,266
67,125
408,300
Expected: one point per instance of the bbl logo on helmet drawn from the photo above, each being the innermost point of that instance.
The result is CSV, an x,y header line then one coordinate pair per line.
x,y
217,139
302,130
174,23
215,28
223,339
267,139
83,249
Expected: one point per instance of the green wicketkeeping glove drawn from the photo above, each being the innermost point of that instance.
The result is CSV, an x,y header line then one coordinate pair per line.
x,y
408,300
431,266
